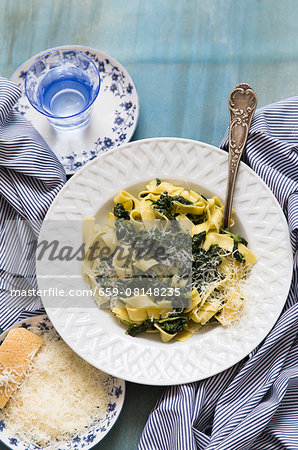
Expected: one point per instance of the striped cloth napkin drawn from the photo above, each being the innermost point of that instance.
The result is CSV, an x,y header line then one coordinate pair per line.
x,y
254,404
30,178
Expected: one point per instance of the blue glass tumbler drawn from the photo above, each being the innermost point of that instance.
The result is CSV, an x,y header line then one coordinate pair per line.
x,y
62,85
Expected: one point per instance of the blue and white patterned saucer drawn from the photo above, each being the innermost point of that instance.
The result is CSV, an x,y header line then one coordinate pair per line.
x,y
95,433
114,116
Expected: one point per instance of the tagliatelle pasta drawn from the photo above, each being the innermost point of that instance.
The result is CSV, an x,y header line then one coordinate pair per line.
x,y
164,265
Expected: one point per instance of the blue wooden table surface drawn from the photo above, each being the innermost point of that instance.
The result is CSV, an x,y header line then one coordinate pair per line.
x,y
185,56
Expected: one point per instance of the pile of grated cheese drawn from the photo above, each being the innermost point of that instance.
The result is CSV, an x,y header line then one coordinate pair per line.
x,y
59,398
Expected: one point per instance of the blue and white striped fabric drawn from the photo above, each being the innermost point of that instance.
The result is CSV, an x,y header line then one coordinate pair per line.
x,y
30,178
253,405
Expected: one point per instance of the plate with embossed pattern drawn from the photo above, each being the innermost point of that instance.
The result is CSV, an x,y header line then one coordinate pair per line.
x,y
94,333
113,120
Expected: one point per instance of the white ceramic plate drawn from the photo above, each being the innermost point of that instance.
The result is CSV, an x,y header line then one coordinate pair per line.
x,y
113,120
96,432
95,334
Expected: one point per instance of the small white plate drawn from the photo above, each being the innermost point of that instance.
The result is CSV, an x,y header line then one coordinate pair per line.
x,y
113,119
94,333
96,432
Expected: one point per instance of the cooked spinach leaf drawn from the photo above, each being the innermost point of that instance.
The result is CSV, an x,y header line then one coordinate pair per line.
x,y
135,329
238,239
238,255
182,200
197,241
170,325
125,231
205,264
196,218
120,212
164,205
173,325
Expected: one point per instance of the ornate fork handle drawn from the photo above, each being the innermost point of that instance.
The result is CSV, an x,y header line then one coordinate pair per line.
x,y
242,105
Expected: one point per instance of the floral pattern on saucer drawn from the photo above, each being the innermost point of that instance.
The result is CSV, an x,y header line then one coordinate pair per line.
x,y
114,116
97,431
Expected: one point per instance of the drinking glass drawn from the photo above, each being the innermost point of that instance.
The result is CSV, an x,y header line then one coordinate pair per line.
x,y
62,85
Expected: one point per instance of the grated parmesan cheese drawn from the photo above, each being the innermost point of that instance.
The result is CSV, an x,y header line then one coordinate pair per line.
x,y
59,398
8,379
